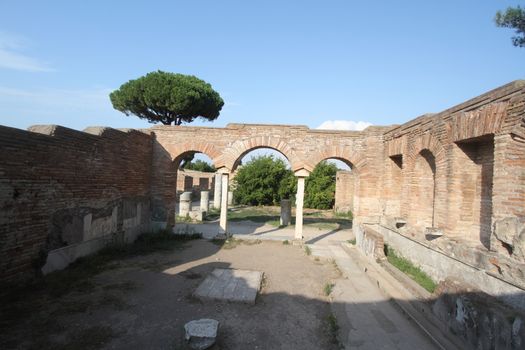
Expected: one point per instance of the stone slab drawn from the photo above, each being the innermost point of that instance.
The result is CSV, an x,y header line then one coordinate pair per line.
x,y
230,285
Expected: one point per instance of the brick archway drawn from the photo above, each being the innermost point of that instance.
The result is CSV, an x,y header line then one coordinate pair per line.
x,y
233,154
351,158
178,151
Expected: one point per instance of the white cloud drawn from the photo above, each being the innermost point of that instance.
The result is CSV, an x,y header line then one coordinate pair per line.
x,y
343,125
11,58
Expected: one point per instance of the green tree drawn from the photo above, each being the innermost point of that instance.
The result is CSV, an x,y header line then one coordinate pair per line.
x,y
513,18
263,180
320,187
199,165
168,98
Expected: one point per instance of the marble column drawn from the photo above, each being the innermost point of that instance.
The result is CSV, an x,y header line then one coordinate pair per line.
x,y
299,199
217,191
223,222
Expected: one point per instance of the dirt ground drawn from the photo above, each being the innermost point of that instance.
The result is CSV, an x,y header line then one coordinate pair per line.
x,y
143,302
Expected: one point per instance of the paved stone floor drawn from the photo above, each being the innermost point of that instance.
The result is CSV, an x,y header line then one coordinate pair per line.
x,y
366,316
253,230
230,285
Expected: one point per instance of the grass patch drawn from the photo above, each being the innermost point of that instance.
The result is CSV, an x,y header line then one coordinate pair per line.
x,y
229,243
307,250
76,277
286,242
323,220
232,242
332,328
410,269
345,215
328,288
212,214
352,241
256,214
186,218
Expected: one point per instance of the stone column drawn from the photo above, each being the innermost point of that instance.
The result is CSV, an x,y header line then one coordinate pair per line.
x,y
217,191
205,201
185,204
230,198
223,222
286,212
299,208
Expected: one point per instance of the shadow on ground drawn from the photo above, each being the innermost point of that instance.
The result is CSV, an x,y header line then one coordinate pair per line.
x,y
143,301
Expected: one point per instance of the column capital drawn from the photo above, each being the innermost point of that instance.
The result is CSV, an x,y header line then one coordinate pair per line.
x,y
223,170
302,173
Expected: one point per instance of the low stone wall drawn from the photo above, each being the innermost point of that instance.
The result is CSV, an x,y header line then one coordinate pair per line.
x,y
370,242
475,317
442,264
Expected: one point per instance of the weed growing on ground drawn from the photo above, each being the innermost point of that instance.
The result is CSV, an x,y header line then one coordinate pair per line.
x,y
336,267
186,218
251,241
307,250
409,269
286,242
328,288
332,328
229,243
232,242
352,241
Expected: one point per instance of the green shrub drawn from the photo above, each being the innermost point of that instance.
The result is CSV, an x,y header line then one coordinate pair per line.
x,y
320,187
263,180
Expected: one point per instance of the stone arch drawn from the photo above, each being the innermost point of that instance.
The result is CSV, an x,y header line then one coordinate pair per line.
x,y
178,151
429,142
232,155
350,157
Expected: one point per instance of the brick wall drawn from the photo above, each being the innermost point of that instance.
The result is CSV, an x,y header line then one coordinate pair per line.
x,y
61,187
195,182
459,172
344,191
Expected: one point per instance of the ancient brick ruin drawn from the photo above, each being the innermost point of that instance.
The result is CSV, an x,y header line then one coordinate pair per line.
x,y
447,190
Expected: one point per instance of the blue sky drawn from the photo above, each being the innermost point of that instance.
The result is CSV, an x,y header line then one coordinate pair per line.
x,y
286,62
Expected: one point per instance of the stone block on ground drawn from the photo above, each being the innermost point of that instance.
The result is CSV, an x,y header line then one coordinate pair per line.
x,y
230,285
201,334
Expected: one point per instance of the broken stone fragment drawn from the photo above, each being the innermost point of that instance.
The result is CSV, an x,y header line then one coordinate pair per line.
x,y
201,334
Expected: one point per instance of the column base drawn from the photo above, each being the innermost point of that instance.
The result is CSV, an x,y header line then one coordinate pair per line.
x,y
298,242
222,236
